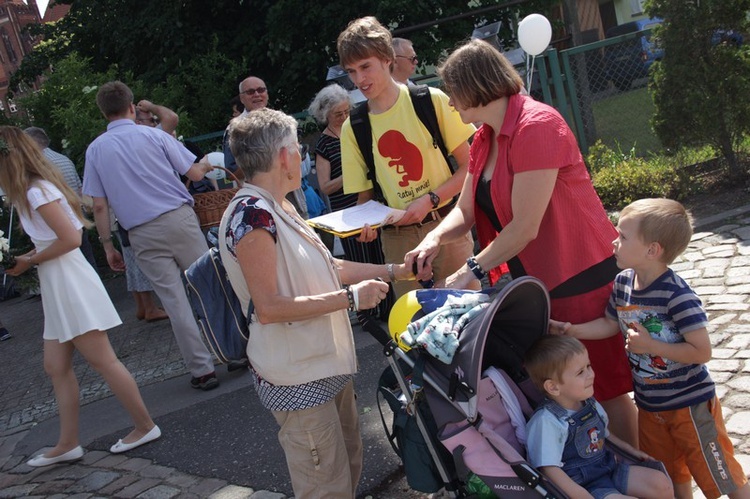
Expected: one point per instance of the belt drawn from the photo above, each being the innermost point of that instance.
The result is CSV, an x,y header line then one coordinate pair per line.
x,y
432,216
437,215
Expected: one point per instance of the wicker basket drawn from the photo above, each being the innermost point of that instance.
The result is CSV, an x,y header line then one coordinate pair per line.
x,y
210,206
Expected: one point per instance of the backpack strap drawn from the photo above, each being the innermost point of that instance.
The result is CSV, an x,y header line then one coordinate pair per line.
x,y
360,122
425,109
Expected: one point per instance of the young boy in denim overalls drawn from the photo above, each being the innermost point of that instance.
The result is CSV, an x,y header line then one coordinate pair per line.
x,y
566,435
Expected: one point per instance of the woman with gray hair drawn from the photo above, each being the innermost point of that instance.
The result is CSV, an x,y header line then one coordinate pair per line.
x,y
330,107
300,344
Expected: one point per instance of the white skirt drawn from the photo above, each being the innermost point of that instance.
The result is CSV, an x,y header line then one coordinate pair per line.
x,y
73,297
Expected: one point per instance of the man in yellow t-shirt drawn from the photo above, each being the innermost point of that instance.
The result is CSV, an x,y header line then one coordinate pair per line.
x,y
411,171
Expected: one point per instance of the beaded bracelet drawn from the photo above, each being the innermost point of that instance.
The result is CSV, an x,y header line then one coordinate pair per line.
x,y
475,268
350,297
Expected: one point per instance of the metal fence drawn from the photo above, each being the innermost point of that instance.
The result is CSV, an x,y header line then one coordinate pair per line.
x,y
601,90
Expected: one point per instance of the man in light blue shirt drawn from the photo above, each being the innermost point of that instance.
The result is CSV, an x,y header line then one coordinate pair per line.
x,y
136,169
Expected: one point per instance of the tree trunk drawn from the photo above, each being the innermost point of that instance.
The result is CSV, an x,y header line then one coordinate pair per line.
x,y
735,170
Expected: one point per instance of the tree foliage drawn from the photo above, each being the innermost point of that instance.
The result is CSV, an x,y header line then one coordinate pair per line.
x,y
66,109
700,86
192,54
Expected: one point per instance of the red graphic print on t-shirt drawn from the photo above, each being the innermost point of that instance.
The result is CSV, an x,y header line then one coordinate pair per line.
x,y
406,158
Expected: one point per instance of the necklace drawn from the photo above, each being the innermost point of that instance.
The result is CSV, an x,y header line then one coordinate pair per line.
x,y
332,132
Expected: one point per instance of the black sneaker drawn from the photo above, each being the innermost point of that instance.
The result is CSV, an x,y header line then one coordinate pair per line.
x,y
4,334
206,382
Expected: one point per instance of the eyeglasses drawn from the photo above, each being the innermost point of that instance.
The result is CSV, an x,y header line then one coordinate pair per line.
x,y
253,91
413,59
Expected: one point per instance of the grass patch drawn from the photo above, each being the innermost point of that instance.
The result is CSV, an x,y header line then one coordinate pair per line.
x,y
622,121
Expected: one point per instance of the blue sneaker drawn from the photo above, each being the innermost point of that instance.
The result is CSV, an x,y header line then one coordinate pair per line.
x,y
5,335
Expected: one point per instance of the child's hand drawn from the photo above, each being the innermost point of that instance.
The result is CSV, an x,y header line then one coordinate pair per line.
x,y
558,327
639,454
637,339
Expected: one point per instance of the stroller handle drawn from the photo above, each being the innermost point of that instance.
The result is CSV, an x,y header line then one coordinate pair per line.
x,y
374,328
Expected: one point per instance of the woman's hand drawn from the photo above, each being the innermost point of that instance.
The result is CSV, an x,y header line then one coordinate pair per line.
x,y
22,264
460,279
370,293
423,255
404,272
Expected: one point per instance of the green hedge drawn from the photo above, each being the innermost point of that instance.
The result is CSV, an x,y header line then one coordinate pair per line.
x,y
622,177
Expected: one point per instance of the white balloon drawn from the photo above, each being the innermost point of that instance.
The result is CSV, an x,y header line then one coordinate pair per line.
x,y
534,34
216,159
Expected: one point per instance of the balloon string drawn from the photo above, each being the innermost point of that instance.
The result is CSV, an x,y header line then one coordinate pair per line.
x,y
529,72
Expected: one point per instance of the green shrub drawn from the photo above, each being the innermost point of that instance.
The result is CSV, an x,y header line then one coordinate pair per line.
x,y
621,178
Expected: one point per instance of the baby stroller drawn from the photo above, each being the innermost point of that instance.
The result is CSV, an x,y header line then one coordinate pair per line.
x,y
477,405
484,445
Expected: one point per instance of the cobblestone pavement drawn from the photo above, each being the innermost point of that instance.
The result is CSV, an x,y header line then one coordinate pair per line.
x,y
716,264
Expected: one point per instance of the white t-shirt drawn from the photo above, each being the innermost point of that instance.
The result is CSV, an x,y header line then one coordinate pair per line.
x,y
40,193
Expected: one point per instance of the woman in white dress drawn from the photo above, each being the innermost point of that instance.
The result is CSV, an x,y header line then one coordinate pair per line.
x,y
77,309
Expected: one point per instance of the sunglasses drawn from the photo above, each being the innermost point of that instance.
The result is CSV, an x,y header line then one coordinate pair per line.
x,y
413,59
253,91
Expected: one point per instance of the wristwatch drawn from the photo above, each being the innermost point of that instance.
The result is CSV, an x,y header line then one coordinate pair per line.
x,y
434,198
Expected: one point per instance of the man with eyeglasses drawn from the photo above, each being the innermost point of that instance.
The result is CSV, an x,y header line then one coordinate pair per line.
x,y
405,62
149,114
254,96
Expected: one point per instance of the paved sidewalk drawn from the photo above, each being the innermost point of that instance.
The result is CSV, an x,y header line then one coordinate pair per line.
x,y
717,265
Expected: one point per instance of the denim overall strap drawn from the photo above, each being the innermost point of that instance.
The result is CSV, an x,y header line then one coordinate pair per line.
x,y
584,445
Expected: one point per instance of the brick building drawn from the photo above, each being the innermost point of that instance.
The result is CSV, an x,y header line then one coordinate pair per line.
x,y
14,43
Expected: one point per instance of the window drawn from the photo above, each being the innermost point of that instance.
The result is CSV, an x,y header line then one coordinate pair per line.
x,y
12,106
636,6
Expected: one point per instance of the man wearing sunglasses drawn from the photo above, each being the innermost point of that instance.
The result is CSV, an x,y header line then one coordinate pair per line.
x,y
253,93
254,96
149,114
406,60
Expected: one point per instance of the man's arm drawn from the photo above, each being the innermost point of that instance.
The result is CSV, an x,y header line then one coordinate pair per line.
x,y
454,184
418,209
199,169
103,227
167,117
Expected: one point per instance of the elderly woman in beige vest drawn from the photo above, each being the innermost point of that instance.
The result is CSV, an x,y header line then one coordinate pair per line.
x,y
301,346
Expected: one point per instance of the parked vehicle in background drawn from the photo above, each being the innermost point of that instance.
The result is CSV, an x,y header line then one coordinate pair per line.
x,y
630,59
726,36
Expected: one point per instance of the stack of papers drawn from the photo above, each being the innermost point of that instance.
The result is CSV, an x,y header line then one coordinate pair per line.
x,y
350,221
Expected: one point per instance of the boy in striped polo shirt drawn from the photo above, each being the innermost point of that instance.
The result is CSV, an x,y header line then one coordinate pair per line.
x,y
679,415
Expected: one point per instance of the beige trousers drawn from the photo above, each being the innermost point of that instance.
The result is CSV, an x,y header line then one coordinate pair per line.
x,y
323,447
